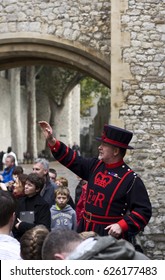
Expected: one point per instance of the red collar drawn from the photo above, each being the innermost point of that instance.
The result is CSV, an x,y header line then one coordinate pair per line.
x,y
114,165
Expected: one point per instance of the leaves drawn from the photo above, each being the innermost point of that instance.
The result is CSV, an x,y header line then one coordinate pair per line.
x,y
91,89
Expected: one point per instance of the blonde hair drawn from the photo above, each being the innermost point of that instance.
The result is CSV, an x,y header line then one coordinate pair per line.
x,y
31,242
63,181
63,191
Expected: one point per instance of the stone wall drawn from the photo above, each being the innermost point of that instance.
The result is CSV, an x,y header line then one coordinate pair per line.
x,y
144,108
82,21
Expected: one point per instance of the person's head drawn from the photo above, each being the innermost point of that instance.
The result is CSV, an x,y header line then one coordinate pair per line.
x,y
52,174
41,167
9,149
31,242
7,209
62,181
109,153
34,184
17,170
59,243
62,195
19,185
58,182
10,161
114,143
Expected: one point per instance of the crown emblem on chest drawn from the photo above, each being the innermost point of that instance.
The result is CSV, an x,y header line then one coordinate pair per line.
x,y
102,180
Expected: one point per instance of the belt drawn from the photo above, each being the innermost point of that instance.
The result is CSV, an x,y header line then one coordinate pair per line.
x,y
89,217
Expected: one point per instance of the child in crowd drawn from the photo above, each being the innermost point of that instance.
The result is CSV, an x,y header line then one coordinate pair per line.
x,y
52,175
32,209
63,182
62,214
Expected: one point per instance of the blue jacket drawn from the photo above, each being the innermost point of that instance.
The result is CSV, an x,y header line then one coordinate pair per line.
x,y
7,174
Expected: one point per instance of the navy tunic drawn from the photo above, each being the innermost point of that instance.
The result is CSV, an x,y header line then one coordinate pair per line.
x,y
115,194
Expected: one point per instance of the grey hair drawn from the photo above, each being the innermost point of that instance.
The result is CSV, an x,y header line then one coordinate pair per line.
x,y
11,157
44,162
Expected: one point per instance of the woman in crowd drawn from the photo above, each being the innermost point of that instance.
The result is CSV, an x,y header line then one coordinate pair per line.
x,y
32,209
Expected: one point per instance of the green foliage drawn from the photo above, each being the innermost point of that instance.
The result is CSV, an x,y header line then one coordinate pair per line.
x,y
90,89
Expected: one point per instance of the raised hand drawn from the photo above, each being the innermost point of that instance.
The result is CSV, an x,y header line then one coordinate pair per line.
x,y
48,132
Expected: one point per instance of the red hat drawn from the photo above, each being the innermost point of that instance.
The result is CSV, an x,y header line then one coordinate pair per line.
x,y
116,136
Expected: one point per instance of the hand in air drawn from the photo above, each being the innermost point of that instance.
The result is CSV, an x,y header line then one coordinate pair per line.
x,y
48,132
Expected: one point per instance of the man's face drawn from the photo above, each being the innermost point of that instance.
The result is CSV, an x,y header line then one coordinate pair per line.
x,y
39,169
52,176
107,153
9,163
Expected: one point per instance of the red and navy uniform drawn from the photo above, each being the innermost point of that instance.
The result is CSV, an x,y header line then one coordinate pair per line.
x,y
115,194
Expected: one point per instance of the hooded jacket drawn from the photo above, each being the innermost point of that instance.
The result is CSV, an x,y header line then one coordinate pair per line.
x,y
65,217
105,248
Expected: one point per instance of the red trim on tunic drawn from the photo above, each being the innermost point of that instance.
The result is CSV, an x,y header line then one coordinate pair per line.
x,y
86,226
100,223
115,190
93,227
73,158
91,218
56,147
114,165
136,224
97,165
66,153
138,215
113,142
103,217
122,223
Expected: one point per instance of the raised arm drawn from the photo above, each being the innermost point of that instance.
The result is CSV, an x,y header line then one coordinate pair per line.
x,y
48,132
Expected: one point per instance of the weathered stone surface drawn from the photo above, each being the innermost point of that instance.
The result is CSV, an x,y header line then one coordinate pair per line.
x,y
145,55
82,16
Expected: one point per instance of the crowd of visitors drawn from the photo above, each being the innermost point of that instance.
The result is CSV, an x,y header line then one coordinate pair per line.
x,y
40,220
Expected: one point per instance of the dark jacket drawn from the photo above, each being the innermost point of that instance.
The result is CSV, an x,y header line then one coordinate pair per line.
x,y
41,214
48,191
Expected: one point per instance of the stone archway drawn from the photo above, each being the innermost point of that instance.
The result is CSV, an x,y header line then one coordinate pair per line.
x,y
29,49
26,49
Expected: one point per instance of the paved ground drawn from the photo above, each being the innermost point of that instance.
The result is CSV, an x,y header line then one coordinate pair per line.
x,y
61,171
